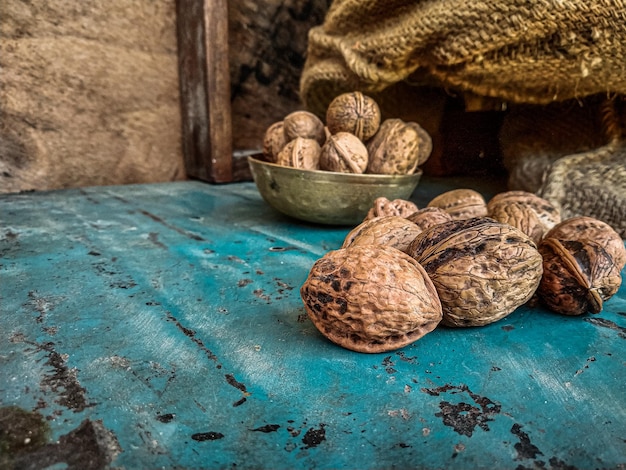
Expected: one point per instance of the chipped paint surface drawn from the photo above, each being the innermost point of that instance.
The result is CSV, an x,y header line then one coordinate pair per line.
x,y
162,324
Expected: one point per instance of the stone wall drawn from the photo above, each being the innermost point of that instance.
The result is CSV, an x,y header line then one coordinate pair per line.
x,y
89,90
88,93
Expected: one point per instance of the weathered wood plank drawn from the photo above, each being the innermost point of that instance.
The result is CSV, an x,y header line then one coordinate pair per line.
x,y
202,28
161,326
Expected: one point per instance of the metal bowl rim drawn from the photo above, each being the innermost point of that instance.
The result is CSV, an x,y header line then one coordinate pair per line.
x,y
332,176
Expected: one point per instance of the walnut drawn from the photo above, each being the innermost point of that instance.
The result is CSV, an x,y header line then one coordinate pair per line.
x,y
578,276
370,299
300,153
429,217
520,216
358,229
345,153
393,230
383,206
461,203
304,124
588,228
397,148
355,113
274,141
548,214
482,269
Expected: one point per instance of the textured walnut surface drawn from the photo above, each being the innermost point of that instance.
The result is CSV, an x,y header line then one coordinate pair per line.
x,y
461,203
428,217
395,231
547,213
383,207
344,153
355,113
370,298
300,153
397,148
519,216
482,269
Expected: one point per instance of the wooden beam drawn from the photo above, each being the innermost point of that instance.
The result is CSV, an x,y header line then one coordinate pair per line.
x,y
203,65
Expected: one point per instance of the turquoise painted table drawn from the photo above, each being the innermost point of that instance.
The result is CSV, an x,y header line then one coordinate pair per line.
x,y
160,326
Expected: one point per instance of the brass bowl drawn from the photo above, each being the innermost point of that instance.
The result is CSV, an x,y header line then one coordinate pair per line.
x,y
326,197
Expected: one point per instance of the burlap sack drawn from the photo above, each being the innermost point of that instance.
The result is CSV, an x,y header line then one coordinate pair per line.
x,y
519,53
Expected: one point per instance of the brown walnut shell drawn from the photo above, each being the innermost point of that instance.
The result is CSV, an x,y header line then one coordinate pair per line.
x,y
397,148
589,228
547,213
429,217
578,276
358,229
482,269
300,153
461,203
394,231
520,216
344,153
355,113
383,206
304,124
273,141
370,299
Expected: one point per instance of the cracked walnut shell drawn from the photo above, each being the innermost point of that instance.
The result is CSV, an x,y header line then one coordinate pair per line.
x,y
482,269
370,299
582,262
578,276
588,228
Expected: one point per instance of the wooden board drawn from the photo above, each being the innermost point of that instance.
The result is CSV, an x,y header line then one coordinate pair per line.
x,y
161,326
205,89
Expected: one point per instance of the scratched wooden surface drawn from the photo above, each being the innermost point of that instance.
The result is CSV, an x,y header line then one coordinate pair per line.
x,y
160,326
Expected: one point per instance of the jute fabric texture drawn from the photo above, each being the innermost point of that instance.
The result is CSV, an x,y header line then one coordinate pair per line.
x,y
527,51
517,52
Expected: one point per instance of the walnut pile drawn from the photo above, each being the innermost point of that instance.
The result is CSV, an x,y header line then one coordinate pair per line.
x,y
460,261
354,139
